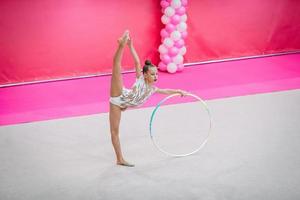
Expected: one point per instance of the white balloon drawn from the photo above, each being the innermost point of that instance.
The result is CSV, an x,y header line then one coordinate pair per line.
x,y
178,59
165,19
169,11
182,50
162,49
176,4
183,18
171,68
175,35
181,26
168,42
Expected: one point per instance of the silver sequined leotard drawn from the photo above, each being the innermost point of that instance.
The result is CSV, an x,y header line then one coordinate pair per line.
x,y
135,96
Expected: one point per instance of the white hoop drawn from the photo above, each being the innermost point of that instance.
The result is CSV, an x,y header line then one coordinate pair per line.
x,y
202,144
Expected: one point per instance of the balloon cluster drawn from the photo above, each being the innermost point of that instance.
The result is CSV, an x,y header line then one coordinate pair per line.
x,y
172,35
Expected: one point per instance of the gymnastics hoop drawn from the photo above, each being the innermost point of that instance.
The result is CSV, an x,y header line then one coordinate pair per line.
x,y
152,117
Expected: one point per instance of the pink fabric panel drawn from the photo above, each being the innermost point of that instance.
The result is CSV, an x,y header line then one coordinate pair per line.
x,y
235,28
47,39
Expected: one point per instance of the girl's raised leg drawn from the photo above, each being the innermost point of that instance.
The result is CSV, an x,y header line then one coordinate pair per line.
x,y
116,85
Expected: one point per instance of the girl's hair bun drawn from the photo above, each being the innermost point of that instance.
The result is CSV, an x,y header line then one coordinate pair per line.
x,y
148,62
147,66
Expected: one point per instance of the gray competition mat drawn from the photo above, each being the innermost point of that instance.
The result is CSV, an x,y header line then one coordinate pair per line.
x,y
253,153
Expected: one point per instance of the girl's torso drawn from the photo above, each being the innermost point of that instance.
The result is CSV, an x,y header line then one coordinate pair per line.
x,y
135,96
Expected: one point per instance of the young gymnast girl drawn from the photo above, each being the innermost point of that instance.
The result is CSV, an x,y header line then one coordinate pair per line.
x,y
122,98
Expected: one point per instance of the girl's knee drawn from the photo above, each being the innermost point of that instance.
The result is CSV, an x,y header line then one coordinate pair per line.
x,y
114,132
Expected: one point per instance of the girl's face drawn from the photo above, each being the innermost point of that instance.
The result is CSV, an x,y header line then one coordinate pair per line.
x,y
151,76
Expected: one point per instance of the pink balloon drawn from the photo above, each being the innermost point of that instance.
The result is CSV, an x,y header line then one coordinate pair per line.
x,y
179,43
162,66
161,56
173,51
164,4
180,67
184,2
166,58
181,10
170,28
164,33
184,34
175,19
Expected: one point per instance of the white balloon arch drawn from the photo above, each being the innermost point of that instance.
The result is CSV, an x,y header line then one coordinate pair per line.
x,y
172,35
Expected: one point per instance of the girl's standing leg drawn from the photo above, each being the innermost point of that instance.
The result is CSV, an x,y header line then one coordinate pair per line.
x,y
114,119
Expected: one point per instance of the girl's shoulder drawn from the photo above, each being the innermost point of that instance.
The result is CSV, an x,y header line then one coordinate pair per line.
x,y
140,79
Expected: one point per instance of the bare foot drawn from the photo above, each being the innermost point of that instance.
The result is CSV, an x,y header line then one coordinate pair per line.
x,y
123,40
125,163
125,34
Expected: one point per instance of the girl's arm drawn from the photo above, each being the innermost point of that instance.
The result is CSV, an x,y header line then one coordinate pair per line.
x,y
171,91
137,63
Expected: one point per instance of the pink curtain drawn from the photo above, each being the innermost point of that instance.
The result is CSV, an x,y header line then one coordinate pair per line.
x,y
48,39
236,28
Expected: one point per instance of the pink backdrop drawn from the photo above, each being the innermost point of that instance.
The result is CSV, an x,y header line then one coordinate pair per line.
x,y
46,39
49,39
235,28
